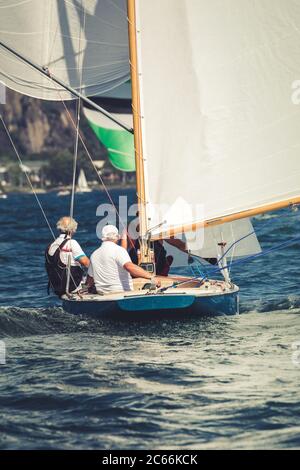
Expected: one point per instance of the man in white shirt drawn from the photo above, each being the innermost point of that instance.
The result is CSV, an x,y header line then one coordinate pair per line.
x,y
64,252
111,268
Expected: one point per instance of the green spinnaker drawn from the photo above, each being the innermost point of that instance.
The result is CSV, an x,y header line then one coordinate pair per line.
x,y
119,144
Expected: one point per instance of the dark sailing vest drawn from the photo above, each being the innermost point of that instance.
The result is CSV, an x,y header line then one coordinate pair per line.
x,y
57,272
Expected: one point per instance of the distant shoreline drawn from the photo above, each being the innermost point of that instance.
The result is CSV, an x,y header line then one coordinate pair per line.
x,y
16,190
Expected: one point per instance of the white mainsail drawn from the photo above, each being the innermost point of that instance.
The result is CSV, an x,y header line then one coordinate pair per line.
x,y
221,130
82,184
84,44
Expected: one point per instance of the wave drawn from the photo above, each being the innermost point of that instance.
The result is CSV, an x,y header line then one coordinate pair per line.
x,y
289,303
266,216
20,322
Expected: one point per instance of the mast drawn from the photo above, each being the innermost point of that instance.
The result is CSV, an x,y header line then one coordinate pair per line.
x,y
138,144
45,71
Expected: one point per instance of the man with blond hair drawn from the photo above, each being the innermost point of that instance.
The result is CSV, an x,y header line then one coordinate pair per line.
x,y
65,254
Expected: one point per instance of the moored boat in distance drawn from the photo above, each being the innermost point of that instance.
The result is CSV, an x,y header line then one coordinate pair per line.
x,y
82,184
64,192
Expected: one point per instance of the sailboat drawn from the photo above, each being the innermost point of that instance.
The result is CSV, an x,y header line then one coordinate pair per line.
x,y
64,192
3,195
82,184
216,143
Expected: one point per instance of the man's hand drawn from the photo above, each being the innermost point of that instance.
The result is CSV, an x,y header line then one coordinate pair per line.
x,y
84,261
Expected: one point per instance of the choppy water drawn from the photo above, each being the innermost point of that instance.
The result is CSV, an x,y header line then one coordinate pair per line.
x,y
222,382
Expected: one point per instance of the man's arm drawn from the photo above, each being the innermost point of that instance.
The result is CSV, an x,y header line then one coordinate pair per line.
x,y
84,261
79,254
137,271
181,245
124,243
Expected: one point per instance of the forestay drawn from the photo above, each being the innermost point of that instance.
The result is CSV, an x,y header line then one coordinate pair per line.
x,y
81,42
220,133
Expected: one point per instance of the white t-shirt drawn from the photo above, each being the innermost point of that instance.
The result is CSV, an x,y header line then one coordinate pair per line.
x,y
107,268
72,246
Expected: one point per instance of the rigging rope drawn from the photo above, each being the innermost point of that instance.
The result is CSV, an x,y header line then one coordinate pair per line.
x,y
27,177
22,166
75,160
237,262
235,243
97,172
266,252
80,72
233,251
227,251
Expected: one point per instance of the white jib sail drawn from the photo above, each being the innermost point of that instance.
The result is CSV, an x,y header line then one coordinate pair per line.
x,y
221,132
84,44
239,237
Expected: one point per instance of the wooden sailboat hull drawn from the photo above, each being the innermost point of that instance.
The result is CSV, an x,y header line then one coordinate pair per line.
x,y
167,304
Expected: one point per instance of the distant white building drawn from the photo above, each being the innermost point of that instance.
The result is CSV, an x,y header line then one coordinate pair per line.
x,y
99,164
33,169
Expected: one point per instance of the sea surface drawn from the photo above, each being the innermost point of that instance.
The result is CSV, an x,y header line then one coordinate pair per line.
x,y
190,383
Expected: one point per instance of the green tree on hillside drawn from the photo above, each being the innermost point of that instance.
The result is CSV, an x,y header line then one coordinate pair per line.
x,y
59,169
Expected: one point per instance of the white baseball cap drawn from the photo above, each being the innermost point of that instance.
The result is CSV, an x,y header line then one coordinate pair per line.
x,y
109,231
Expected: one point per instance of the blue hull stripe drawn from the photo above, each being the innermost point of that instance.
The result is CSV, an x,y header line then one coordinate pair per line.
x,y
156,302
